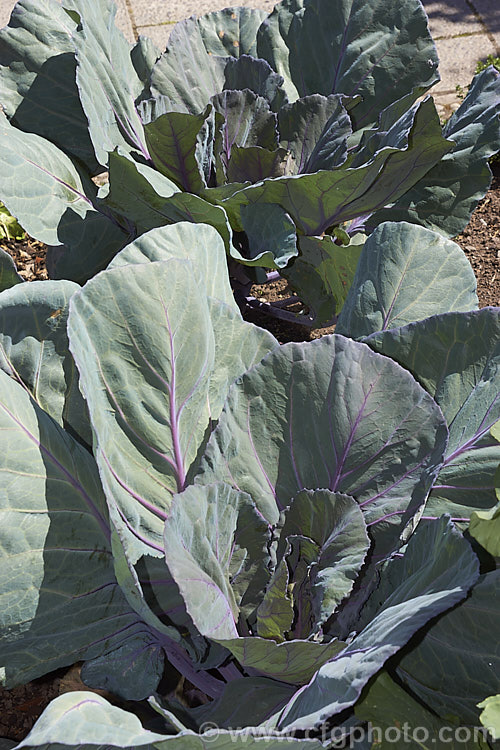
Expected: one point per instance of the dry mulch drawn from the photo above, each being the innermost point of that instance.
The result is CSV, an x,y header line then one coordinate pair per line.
x,y
29,257
21,706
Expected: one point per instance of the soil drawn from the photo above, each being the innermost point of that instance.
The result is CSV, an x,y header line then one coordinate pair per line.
x,y
20,707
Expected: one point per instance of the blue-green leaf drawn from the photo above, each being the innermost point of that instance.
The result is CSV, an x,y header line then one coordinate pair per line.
x,y
381,50
34,350
456,357
107,80
445,197
329,414
406,273
38,87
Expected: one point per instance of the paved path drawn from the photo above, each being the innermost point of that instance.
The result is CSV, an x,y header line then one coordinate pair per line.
x,y
465,31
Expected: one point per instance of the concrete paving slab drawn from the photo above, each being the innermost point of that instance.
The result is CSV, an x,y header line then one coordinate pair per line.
x,y
123,20
159,34
458,59
450,19
489,11
6,7
150,12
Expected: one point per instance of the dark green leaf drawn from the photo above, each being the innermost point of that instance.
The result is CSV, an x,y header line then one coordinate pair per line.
x,y
323,274
389,708
315,130
436,572
445,197
9,276
464,651
271,235
381,50
174,141
38,87
247,72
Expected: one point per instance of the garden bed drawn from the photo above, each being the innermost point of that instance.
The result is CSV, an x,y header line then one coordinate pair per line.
x,y
20,707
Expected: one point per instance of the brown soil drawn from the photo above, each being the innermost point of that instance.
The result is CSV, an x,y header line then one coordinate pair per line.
x,y
21,706
29,257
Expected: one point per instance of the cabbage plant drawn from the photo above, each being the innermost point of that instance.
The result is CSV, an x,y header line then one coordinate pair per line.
x,y
293,133
279,526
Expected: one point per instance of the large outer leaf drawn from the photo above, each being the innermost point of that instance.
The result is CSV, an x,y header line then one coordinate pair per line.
x,y
463,648
149,199
215,547
107,80
381,50
406,273
329,414
199,243
144,55
34,349
445,198
87,244
52,187
388,707
38,89
315,130
186,73
232,31
456,357
238,345
84,721
60,601
422,586
323,274
56,204
244,702
143,339
320,200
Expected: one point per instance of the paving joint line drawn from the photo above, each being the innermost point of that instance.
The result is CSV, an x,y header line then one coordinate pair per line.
x,y
462,35
484,25
157,25
130,10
